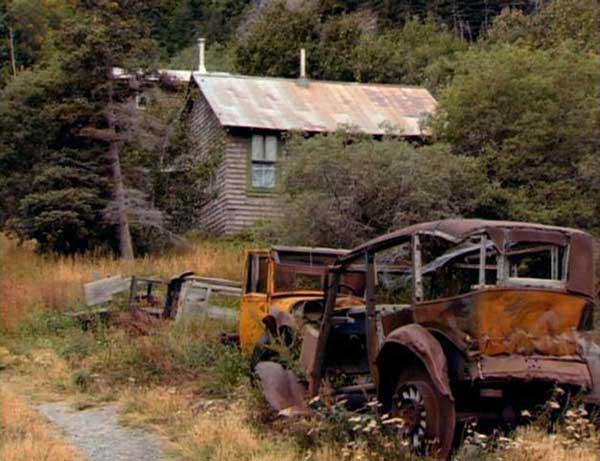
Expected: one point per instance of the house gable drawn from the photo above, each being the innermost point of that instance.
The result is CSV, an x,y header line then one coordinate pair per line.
x,y
250,111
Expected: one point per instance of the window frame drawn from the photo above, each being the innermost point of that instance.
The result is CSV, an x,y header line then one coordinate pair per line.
x,y
251,188
252,275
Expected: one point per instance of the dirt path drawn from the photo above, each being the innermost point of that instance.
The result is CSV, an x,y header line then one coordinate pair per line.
x,y
97,433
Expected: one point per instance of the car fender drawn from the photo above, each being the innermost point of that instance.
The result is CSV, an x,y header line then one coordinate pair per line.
x,y
590,352
277,318
414,341
281,387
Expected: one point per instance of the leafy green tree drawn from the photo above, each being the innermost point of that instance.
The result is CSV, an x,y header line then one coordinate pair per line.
x,y
108,34
465,17
555,23
70,104
48,191
271,47
25,27
420,53
336,51
531,115
64,208
342,189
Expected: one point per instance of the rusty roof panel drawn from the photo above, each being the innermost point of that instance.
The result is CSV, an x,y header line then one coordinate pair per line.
x,y
316,106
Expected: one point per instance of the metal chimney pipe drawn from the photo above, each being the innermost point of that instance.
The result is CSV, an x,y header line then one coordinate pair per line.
x,y
201,66
302,63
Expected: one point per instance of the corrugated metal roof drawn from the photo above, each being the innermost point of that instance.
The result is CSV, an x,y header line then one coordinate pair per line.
x,y
315,106
180,76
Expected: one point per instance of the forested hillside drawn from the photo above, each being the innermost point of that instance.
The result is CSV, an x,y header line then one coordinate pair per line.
x,y
517,81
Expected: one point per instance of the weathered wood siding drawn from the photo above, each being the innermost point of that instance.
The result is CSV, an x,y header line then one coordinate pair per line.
x,y
232,207
205,129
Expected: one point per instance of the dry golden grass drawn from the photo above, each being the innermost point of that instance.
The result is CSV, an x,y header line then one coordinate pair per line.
x,y
42,375
25,436
531,443
204,430
32,281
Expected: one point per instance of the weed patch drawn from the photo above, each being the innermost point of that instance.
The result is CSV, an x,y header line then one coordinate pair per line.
x,y
25,436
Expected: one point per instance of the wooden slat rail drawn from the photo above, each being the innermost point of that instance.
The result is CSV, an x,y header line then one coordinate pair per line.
x,y
195,296
102,291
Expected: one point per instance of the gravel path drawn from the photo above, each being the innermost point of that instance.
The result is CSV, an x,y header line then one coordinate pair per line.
x,y
96,431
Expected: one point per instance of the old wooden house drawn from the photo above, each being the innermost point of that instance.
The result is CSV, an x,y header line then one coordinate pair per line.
x,y
247,117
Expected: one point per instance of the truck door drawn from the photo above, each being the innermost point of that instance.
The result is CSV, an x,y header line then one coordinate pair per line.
x,y
255,297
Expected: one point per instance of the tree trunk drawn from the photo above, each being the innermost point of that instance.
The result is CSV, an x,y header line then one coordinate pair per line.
x,y
125,244
11,46
598,81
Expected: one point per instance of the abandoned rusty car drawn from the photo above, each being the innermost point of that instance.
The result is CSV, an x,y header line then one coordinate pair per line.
x,y
278,281
452,320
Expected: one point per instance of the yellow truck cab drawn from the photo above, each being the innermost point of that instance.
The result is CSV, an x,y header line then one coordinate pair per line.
x,y
279,280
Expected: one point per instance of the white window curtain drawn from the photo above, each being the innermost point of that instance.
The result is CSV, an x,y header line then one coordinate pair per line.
x,y
264,158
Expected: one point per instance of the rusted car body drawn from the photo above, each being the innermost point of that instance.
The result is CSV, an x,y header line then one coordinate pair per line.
x,y
459,320
278,281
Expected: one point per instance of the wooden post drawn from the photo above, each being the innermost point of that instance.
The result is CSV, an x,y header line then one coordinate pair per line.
x,y
132,293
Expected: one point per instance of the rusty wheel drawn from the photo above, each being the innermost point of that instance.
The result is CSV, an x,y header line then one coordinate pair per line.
x,y
428,416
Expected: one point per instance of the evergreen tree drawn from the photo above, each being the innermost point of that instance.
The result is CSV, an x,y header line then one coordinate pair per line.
x,y
74,104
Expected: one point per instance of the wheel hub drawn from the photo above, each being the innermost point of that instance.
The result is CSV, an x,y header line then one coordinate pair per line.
x,y
409,405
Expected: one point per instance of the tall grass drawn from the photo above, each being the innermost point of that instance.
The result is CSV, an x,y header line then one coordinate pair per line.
x,y
29,281
25,436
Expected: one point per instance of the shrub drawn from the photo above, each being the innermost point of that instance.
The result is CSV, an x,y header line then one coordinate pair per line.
x,y
420,53
342,189
531,116
271,47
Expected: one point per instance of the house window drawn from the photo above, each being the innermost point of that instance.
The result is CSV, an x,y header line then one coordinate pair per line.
x,y
264,158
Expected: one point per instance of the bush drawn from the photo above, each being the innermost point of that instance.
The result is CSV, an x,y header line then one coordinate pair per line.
x,y
342,189
531,116
561,21
176,353
272,46
421,53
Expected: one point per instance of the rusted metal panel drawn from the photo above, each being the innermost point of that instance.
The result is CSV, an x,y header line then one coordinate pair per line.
x,y
309,250
318,106
581,267
309,348
179,76
509,320
590,352
426,347
281,387
566,370
457,229
278,319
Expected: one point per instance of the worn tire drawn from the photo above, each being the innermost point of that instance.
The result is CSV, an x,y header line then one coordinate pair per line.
x,y
429,416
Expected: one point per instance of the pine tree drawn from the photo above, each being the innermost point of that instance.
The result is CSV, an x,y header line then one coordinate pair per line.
x,y
70,103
